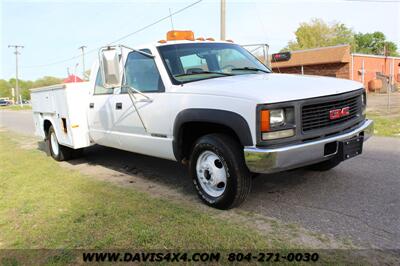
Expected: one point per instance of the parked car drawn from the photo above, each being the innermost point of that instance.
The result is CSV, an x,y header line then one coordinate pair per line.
x,y
4,103
209,105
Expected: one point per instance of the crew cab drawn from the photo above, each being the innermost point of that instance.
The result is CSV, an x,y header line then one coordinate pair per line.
x,y
210,105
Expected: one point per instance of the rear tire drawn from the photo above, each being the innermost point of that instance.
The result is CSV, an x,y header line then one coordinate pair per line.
x,y
57,151
325,165
218,170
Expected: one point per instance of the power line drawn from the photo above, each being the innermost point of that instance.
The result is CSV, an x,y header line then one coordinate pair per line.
x,y
121,38
156,22
53,63
374,1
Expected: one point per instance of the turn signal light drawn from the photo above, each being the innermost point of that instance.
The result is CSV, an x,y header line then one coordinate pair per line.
x,y
177,35
264,121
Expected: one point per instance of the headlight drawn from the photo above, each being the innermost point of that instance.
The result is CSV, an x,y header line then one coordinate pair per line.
x,y
277,123
276,117
364,102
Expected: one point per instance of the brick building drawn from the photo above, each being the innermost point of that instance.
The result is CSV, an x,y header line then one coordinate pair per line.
x,y
338,61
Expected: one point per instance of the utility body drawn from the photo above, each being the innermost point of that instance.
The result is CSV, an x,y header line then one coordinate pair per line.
x,y
210,105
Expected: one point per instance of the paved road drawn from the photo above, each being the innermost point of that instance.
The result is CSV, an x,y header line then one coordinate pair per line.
x,y
359,199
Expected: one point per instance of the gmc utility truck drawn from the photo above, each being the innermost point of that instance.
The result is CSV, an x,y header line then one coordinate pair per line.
x,y
210,105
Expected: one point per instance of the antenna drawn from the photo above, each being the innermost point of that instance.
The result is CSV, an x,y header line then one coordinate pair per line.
x,y
273,59
82,48
172,22
172,28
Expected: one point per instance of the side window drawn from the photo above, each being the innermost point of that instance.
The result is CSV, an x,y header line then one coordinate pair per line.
x,y
98,87
142,73
191,63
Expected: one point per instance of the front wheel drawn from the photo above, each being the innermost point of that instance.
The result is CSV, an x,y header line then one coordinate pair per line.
x,y
218,170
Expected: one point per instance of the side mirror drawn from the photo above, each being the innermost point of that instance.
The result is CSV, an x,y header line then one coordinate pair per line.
x,y
110,67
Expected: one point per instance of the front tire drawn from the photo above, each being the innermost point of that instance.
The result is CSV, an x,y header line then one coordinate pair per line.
x,y
57,151
218,171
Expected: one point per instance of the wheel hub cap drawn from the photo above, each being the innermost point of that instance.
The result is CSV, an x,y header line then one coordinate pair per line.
x,y
211,173
54,143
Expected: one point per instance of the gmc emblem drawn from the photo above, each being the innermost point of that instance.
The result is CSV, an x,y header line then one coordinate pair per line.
x,y
338,113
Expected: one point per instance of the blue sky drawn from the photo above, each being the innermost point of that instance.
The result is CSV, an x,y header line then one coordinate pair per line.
x,y
53,30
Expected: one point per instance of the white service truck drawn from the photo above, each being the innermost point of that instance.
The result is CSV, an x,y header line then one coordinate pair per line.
x,y
210,105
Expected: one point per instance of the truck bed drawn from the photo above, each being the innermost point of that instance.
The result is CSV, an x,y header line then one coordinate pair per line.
x,y
65,107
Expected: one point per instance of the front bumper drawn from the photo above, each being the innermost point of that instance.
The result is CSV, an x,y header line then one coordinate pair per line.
x,y
260,160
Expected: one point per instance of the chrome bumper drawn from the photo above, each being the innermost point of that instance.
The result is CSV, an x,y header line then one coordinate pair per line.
x,y
266,160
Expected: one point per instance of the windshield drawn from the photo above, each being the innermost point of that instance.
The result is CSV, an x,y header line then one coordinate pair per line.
x,y
197,61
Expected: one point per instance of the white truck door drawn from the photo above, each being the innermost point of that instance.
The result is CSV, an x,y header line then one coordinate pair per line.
x,y
101,115
142,74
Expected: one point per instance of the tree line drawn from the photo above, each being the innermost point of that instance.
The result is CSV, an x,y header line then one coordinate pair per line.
x,y
318,33
25,85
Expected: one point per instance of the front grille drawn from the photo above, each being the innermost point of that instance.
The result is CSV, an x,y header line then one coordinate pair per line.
x,y
316,116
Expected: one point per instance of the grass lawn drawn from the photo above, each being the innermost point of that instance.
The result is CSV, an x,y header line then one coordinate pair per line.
x,y
386,125
46,206
16,107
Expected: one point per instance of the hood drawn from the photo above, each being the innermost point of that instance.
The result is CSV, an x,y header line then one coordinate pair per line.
x,y
271,88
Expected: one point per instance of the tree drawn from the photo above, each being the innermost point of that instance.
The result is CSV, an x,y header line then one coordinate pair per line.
x,y
318,33
374,43
25,85
5,88
46,81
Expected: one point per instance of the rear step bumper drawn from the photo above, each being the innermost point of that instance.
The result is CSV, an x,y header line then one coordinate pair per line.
x,y
260,160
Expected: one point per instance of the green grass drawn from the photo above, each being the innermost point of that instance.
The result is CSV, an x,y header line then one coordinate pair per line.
x,y
16,107
386,125
43,205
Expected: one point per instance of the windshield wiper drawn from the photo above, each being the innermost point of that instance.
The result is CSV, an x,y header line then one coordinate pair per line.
x,y
250,69
203,72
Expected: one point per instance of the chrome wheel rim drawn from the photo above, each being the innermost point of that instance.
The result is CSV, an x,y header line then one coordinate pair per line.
x,y
211,173
54,143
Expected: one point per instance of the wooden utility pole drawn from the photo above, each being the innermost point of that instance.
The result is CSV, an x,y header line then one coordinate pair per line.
x,y
16,52
223,11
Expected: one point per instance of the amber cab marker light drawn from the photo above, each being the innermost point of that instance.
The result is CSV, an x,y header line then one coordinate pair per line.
x,y
264,121
210,39
229,41
180,35
200,39
162,41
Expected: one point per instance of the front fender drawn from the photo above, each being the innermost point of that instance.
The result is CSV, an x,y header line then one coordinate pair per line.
x,y
229,119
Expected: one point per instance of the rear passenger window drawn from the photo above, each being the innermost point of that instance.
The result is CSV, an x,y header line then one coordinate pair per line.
x,y
98,87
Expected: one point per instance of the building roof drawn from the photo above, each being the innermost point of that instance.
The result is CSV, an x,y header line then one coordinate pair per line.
x,y
72,78
376,56
316,56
